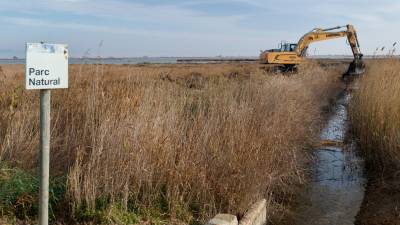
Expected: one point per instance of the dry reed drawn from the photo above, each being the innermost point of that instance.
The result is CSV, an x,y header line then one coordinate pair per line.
x,y
194,139
375,113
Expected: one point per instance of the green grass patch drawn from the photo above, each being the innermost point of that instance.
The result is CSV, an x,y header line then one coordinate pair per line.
x,y
19,194
19,201
107,214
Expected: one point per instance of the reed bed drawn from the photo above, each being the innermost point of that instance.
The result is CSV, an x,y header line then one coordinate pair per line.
x,y
375,113
176,142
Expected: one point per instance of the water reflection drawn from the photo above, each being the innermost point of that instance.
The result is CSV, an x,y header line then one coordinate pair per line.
x,y
335,195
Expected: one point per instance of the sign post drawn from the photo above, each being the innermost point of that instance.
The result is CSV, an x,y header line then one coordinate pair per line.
x,y
44,156
46,68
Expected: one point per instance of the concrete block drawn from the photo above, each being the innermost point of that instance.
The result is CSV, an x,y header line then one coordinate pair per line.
x,y
256,215
223,219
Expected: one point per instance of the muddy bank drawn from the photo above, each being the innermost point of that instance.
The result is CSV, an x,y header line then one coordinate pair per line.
x,y
381,204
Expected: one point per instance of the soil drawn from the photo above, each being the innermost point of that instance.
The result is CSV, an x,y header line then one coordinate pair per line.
x,y
381,205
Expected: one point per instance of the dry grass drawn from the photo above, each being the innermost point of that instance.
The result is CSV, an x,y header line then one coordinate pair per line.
x,y
375,113
192,140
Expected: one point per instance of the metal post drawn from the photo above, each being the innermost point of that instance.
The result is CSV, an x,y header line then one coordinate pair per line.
x,y
44,156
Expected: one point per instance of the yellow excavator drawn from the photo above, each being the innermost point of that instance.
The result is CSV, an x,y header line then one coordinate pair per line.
x,y
288,56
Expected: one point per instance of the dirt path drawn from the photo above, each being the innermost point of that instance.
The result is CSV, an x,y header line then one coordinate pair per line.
x,y
337,190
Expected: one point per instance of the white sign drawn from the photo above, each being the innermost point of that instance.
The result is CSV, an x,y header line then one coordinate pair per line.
x,y
46,66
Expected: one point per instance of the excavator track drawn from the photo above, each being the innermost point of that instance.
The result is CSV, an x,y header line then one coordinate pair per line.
x,y
279,68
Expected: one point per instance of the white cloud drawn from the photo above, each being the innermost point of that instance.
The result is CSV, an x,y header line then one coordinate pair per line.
x,y
178,23
23,21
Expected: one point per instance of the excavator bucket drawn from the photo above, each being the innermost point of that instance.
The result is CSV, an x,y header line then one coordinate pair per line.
x,y
356,68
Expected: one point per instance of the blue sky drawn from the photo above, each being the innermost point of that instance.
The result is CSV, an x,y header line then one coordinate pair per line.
x,y
192,27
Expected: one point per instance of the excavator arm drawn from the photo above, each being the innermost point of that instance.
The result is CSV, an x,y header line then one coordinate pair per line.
x,y
357,67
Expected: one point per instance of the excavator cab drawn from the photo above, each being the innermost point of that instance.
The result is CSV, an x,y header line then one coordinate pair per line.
x,y
285,55
287,47
284,47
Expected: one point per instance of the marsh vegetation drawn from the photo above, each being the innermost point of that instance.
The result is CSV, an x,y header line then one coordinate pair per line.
x,y
163,144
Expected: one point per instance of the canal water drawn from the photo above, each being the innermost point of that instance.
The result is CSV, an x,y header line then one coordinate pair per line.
x,y
336,192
